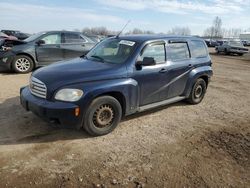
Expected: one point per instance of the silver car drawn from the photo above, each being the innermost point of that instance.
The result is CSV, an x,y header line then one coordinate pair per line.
x,y
231,47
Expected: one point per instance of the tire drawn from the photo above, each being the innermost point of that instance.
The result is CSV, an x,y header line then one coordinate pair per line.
x,y
22,64
217,50
102,107
240,54
225,51
198,92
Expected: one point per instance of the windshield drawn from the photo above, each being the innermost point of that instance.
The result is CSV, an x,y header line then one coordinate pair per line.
x,y
236,43
34,37
112,51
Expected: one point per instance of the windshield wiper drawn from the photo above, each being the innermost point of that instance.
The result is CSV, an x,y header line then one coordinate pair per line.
x,y
98,57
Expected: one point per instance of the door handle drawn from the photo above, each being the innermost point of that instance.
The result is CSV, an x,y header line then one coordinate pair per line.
x,y
163,70
190,65
57,46
83,44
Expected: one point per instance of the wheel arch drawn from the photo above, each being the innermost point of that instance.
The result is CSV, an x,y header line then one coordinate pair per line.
x,y
28,55
118,96
201,72
205,78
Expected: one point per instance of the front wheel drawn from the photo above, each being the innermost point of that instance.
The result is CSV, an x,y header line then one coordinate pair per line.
x,y
22,64
217,50
102,116
198,91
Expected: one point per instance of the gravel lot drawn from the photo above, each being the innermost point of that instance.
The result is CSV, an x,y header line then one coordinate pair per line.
x,y
181,145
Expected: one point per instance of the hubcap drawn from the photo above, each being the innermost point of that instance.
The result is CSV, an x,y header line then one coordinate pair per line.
x,y
103,116
22,64
198,91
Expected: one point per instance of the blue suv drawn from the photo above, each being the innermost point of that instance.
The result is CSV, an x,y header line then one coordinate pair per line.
x,y
118,77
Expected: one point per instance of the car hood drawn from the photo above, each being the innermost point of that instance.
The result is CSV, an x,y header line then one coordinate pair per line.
x,y
78,70
238,46
10,42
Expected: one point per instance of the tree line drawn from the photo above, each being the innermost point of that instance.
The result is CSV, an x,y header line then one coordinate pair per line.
x,y
104,31
214,31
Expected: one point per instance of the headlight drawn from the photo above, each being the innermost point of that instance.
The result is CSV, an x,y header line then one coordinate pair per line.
x,y
70,95
5,48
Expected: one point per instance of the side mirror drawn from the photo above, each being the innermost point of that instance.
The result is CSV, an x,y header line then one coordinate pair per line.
x,y
147,61
40,42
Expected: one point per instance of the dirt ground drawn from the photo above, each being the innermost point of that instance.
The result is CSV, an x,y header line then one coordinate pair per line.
x,y
181,145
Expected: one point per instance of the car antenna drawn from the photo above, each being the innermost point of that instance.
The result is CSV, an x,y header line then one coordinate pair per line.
x,y
117,36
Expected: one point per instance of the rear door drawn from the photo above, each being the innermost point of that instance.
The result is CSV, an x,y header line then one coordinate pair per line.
x,y
75,45
51,50
179,64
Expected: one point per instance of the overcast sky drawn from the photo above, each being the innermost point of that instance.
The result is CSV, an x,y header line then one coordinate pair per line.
x,y
157,15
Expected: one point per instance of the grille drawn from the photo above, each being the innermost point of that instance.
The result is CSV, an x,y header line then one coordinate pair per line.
x,y
38,88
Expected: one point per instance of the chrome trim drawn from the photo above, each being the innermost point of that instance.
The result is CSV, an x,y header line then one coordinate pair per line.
x,y
37,88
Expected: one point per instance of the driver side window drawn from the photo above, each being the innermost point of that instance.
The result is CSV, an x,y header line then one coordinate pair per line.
x,y
52,39
156,51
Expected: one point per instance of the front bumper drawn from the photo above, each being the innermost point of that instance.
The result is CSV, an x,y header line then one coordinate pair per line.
x,y
238,51
53,112
6,59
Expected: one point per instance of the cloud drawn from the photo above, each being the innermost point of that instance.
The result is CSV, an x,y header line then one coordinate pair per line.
x,y
180,7
53,16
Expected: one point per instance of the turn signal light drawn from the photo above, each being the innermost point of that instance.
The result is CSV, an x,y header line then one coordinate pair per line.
x,y
77,111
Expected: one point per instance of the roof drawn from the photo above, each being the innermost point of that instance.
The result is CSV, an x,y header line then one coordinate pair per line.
x,y
143,38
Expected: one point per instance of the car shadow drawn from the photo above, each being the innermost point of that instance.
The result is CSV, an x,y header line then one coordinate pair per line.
x,y
18,126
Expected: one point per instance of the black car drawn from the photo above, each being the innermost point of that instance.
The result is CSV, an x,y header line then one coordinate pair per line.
x,y
211,43
19,35
42,49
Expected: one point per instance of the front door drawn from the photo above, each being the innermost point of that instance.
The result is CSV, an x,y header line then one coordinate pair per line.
x,y
50,51
152,79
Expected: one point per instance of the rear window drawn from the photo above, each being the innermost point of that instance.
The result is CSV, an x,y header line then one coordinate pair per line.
x,y
177,51
73,38
198,49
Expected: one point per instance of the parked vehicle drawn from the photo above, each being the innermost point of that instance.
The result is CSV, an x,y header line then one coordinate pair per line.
x,y
118,77
43,49
232,47
94,38
4,36
19,35
245,42
211,43
220,42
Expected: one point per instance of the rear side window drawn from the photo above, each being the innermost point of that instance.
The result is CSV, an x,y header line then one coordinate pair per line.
x,y
52,39
198,49
73,38
177,51
156,51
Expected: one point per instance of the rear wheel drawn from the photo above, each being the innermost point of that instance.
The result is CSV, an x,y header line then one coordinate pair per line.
x,y
217,50
198,91
22,64
102,116
226,51
240,54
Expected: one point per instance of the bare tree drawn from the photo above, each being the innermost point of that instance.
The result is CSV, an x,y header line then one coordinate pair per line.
x,y
104,31
86,31
180,31
215,31
217,24
139,31
231,33
96,31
